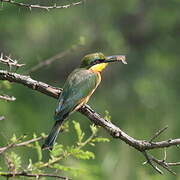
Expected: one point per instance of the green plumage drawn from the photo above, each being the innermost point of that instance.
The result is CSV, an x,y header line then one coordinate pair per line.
x,y
77,89
80,83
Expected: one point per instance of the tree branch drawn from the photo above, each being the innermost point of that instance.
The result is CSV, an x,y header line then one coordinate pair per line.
x,y
36,6
56,57
140,145
25,143
25,174
9,62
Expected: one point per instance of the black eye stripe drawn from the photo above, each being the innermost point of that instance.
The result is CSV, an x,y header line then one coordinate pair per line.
x,y
97,61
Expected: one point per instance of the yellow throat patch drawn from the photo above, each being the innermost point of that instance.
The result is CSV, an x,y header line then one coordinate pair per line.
x,y
98,67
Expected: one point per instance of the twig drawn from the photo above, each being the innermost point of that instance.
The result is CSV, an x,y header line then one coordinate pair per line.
x,y
9,62
14,174
7,98
25,143
36,6
140,145
54,58
162,163
174,164
150,161
158,133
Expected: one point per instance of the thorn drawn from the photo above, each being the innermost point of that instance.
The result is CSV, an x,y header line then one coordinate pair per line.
x,y
165,154
158,133
144,163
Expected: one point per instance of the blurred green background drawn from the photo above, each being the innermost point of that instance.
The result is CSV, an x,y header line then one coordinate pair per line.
x,y
141,97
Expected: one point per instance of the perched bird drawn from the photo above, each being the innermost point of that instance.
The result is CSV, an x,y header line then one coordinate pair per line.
x,y
78,88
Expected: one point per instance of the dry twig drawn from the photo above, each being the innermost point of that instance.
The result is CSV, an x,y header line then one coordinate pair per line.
x,y
140,145
25,143
25,174
7,98
9,62
54,58
36,6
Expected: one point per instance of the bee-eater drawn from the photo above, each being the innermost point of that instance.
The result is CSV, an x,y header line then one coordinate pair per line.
x,y
78,88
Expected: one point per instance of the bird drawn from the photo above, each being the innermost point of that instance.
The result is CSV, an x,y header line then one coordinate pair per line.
x,y
78,88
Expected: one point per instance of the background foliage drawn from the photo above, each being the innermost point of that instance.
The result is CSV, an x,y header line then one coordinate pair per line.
x,y
141,97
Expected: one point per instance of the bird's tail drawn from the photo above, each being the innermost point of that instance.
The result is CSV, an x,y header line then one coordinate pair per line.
x,y
50,140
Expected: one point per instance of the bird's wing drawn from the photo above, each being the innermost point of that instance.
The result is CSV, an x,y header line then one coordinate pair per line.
x,y
79,85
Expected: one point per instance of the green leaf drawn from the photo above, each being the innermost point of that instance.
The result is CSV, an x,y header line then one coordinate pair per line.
x,y
30,165
57,150
65,126
6,84
15,159
38,148
94,129
80,154
14,138
107,116
100,139
79,132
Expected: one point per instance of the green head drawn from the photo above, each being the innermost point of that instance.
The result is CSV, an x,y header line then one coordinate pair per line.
x,y
98,61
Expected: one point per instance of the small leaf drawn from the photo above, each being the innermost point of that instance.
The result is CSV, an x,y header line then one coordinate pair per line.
x,y
15,159
43,135
38,148
6,84
79,132
65,126
57,150
94,129
80,154
100,139
14,138
107,116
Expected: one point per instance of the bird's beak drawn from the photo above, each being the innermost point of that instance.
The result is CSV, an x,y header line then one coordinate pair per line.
x,y
115,58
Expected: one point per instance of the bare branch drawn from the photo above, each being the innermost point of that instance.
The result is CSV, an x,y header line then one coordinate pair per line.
x,y
158,133
141,145
25,143
31,83
174,164
25,174
36,6
54,58
7,98
9,62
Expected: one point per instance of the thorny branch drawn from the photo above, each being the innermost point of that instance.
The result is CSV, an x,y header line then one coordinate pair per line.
x,y
25,174
36,6
140,145
9,62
